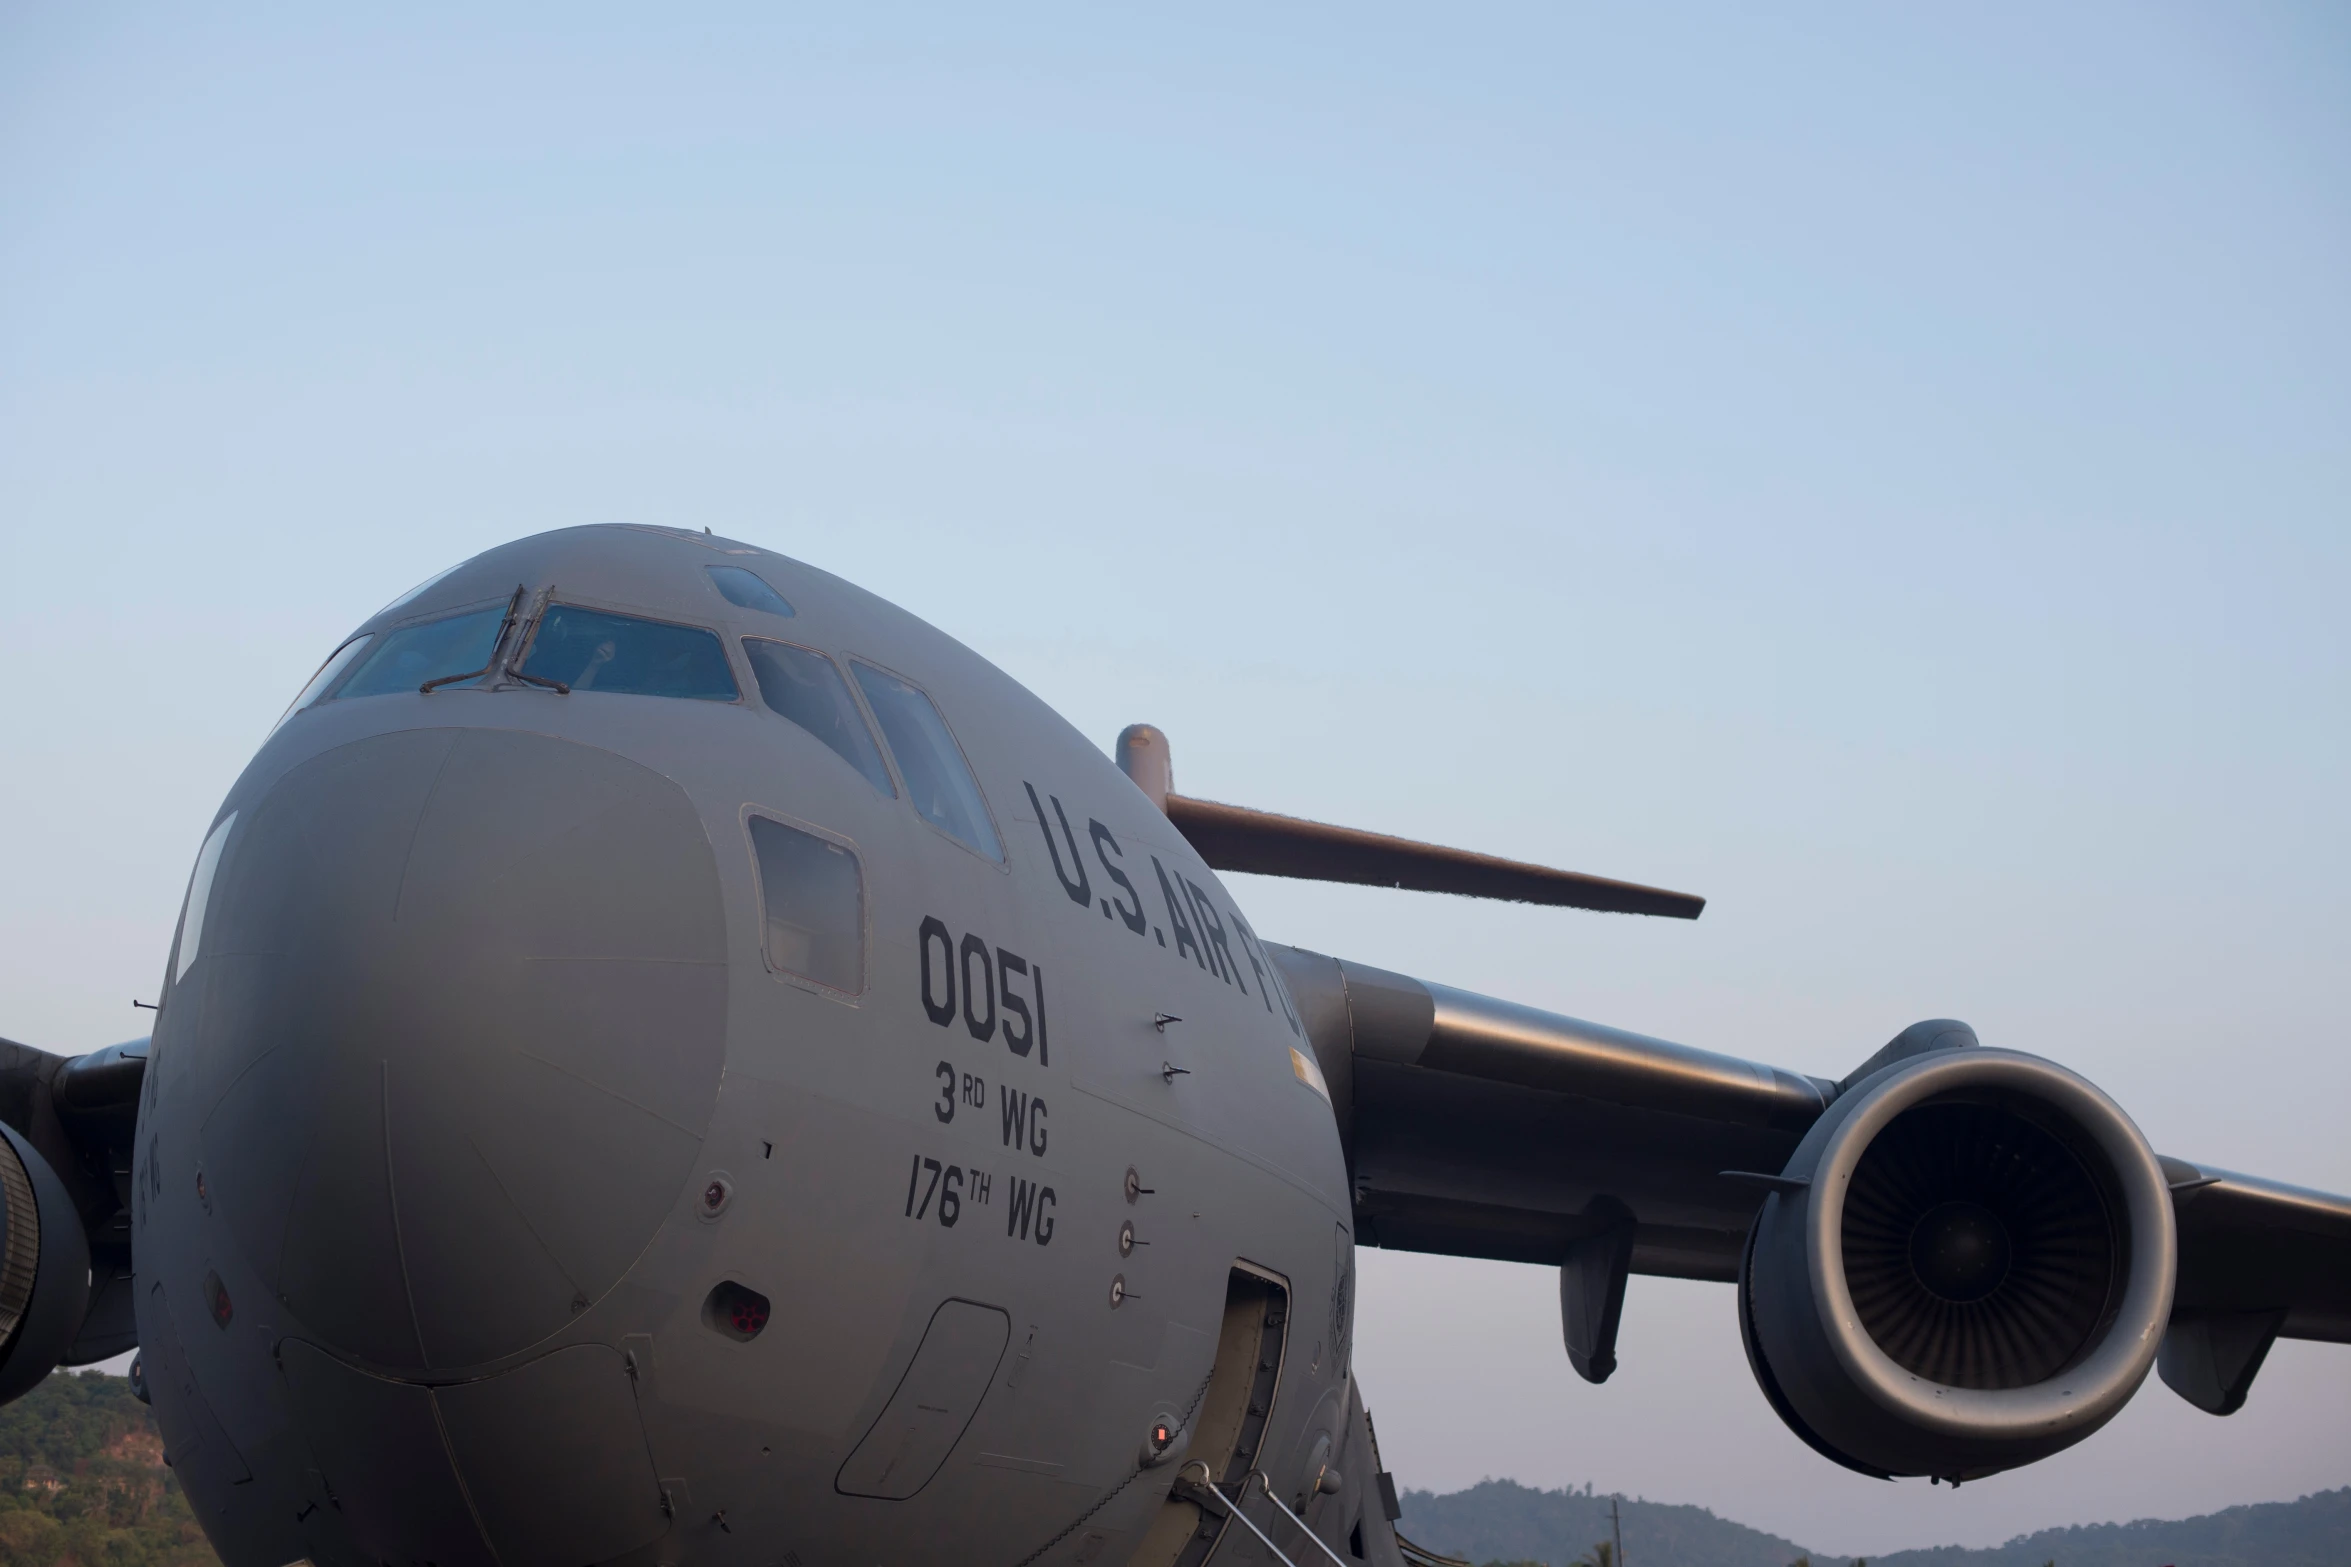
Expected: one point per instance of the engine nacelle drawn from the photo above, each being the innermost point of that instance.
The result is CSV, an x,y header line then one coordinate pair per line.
x,y
44,1267
1966,1266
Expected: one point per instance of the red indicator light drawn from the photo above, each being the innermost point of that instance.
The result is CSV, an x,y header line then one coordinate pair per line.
x,y
216,1297
736,1311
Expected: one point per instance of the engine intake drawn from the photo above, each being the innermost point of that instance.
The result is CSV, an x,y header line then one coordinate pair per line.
x,y
44,1266
1967,1267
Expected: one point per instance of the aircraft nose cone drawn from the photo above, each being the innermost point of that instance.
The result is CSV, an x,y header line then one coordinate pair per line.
x,y
461,1015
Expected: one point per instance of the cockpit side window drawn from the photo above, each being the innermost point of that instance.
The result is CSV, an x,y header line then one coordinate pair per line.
x,y
938,779
812,905
595,650
404,659
329,672
806,687
748,590
200,897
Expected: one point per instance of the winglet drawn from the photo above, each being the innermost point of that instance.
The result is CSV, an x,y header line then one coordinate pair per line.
x,y
1143,756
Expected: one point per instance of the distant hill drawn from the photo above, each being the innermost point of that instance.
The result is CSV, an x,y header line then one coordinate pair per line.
x,y
82,1482
2312,1532
1502,1521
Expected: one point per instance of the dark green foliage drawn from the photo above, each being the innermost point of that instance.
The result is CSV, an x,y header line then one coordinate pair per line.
x,y
1499,1521
2313,1532
82,1482
1502,1519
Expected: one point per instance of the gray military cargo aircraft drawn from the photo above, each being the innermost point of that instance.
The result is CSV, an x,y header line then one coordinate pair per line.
x,y
667,1058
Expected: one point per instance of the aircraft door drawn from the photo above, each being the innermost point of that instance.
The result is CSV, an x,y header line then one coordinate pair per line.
x,y
1229,1426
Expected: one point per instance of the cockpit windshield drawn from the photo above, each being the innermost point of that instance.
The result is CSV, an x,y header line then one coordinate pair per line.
x,y
405,659
806,687
938,779
595,650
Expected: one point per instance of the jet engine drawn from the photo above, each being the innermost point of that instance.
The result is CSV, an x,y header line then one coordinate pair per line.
x,y
44,1266
1967,1265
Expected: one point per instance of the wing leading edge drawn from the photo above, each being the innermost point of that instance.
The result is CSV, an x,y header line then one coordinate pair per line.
x,y
1475,1127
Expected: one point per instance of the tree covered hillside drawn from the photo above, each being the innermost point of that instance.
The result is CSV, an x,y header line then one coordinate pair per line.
x,y
82,1482
1501,1520
1504,1524
2312,1532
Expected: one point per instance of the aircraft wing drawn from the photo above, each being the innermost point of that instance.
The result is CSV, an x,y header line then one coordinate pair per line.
x,y
1263,843
1481,1129
2250,1245
1237,838
1478,1128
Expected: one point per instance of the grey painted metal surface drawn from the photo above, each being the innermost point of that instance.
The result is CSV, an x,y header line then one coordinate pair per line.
x,y
730,1076
2253,1245
484,1010
1237,838
1477,1036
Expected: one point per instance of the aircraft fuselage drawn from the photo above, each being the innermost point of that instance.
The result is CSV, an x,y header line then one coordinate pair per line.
x,y
629,1124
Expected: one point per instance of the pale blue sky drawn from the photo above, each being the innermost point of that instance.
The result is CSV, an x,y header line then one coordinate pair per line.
x,y
1888,472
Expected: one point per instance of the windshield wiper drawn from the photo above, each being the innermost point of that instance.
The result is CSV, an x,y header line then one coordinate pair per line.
x,y
504,626
522,644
